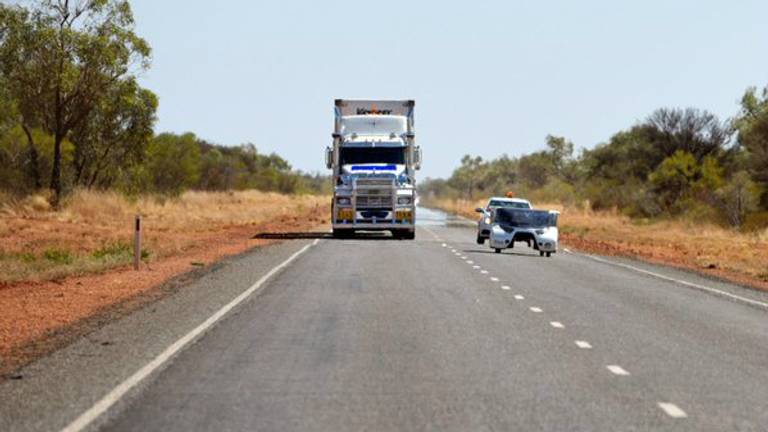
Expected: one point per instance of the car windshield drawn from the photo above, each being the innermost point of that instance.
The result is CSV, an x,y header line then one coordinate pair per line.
x,y
524,218
509,204
371,155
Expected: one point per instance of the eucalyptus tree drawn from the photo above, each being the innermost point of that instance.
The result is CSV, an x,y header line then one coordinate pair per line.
x,y
60,57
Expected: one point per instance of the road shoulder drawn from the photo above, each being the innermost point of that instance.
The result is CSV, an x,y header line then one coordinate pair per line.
x,y
51,392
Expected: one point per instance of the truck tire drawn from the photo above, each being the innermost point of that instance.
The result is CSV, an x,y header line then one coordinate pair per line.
x,y
343,233
403,234
480,240
498,250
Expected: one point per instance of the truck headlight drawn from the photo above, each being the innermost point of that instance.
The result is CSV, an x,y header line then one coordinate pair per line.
x,y
487,221
343,201
404,200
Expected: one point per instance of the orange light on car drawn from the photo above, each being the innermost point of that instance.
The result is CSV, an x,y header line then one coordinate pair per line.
x,y
510,194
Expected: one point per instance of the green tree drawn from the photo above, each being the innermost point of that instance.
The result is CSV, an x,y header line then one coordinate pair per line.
x,y
173,163
60,57
752,126
115,136
465,177
674,178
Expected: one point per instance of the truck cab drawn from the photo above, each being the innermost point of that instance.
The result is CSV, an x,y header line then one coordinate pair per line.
x,y
374,160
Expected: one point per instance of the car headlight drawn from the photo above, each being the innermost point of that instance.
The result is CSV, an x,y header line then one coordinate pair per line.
x,y
404,200
343,201
487,221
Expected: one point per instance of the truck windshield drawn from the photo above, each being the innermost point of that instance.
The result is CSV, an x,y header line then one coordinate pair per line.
x,y
371,155
524,218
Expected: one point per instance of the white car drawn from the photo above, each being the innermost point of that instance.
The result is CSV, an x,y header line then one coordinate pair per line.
x,y
484,224
537,228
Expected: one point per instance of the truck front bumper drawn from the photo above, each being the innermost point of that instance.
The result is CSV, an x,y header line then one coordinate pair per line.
x,y
370,226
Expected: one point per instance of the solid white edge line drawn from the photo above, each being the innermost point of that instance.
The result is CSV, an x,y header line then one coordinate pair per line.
x,y
715,291
124,387
672,410
617,370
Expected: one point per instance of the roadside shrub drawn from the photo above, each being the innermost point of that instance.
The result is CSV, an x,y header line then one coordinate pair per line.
x,y
58,256
110,250
755,222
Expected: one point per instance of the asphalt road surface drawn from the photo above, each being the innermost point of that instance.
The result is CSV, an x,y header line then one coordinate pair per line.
x,y
433,334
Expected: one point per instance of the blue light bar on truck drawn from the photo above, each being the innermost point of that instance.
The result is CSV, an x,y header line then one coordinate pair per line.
x,y
374,168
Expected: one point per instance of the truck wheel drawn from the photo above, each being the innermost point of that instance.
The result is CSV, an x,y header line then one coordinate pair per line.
x,y
409,235
498,250
480,240
541,253
343,233
549,254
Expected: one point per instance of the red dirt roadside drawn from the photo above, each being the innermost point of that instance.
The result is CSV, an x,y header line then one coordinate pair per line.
x,y
39,317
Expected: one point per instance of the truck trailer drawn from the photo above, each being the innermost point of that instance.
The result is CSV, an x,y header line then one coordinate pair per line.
x,y
374,159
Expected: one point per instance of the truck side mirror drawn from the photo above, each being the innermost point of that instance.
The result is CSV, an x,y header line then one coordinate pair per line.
x,y
479,210
417,158
328,157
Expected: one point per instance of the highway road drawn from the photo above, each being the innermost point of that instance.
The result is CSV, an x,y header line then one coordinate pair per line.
x,y
433,334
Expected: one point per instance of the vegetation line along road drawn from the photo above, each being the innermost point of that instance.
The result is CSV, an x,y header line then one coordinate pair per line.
x,y
681,187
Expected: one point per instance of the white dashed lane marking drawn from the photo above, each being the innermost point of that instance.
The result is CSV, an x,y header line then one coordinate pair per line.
x,y
557,324
583,344
470,262
617,370
505,287
672,410
535,309
484,271
475,266
519,297
494,279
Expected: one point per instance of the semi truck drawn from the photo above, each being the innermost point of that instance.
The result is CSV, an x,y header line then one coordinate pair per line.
x,y
374,159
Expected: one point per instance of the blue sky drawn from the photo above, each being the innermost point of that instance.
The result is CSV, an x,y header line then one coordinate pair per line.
x,y
488,77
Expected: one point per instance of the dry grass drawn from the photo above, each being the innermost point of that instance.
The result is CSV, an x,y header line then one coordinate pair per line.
x,y
93,230
740,257
62,273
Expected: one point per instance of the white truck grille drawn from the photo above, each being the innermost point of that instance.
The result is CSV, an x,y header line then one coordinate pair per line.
x,y
374,192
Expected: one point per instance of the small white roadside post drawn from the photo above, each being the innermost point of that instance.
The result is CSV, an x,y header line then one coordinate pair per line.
x,y
137,243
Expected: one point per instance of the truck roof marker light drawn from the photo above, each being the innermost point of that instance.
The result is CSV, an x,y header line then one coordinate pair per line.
x,y
510,194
